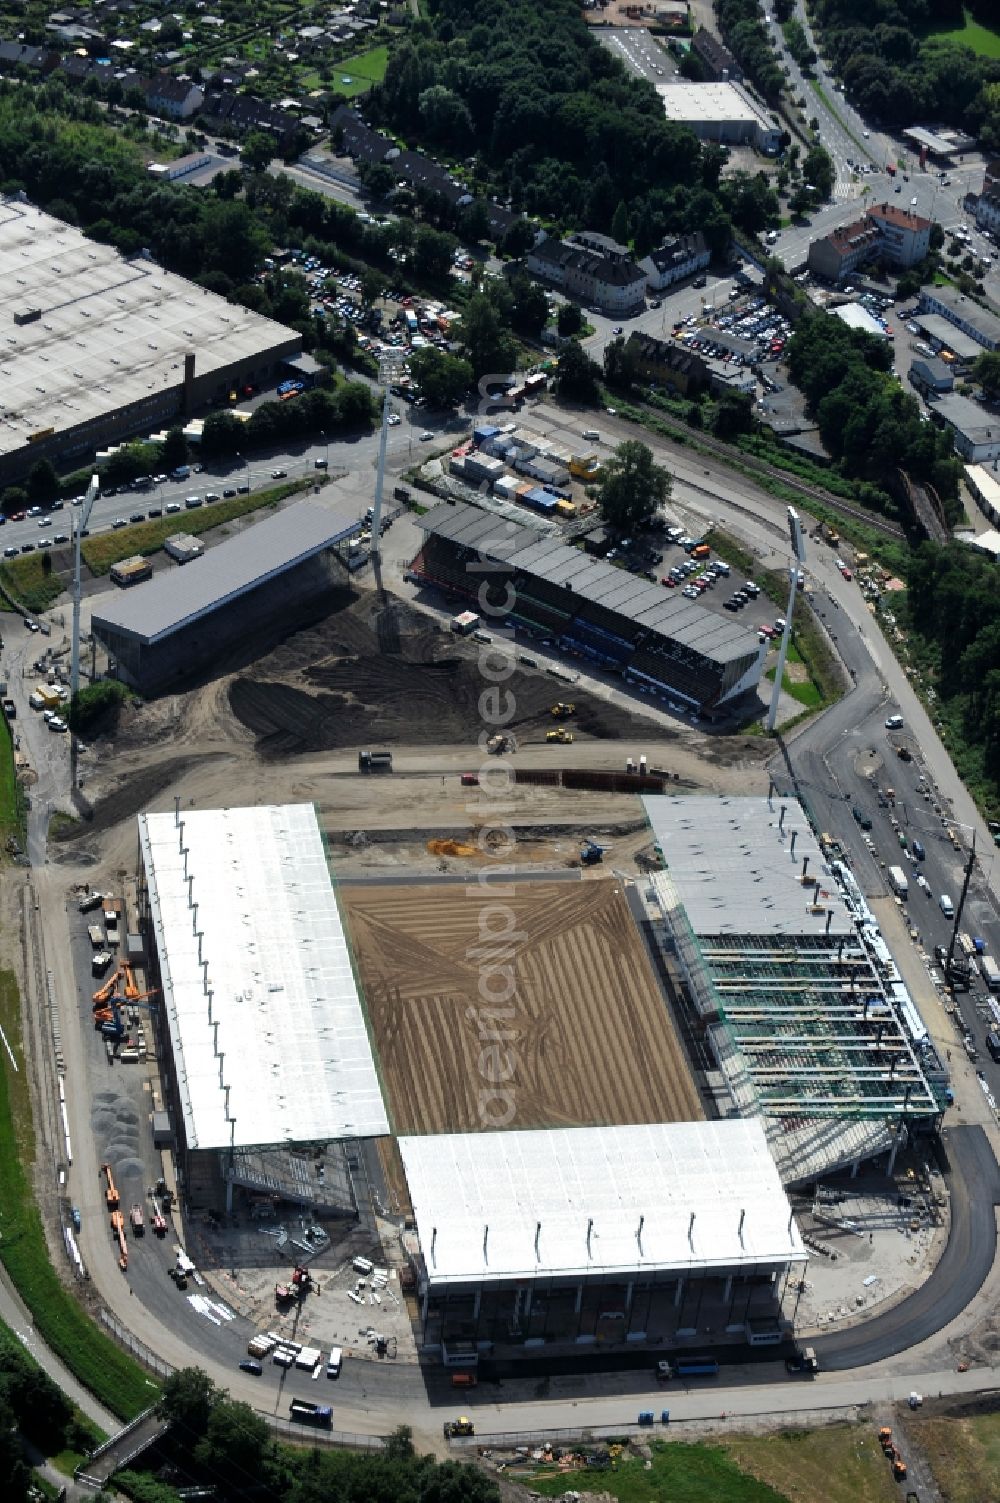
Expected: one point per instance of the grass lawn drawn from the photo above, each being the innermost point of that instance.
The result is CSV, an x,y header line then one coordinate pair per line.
x,y
29,582
680,1472
93,1358
360,72
835,1464
805,692
964,1455
986,43
11,794
148,537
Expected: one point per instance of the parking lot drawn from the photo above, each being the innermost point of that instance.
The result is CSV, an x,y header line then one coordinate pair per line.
x,y
744,332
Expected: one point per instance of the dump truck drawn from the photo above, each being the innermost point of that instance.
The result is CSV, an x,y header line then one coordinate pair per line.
x,y
561,735
461,1426
803,1361
100,961
95,933
563,711
135,1216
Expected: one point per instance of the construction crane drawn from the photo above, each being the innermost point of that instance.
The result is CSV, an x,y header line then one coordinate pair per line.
x,y
120,1000
111,1193
118,1230
131,985
106,991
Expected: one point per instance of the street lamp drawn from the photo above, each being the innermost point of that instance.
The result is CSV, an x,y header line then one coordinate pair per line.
x,y
799,557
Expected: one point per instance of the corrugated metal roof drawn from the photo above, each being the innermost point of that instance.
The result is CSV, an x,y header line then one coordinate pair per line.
x,y
591,1201
284,1028
689,622
266,549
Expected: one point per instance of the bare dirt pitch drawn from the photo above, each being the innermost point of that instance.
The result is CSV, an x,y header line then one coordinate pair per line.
x,y
589,1035
384,673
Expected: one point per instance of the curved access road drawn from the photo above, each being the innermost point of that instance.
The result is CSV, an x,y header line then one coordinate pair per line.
x,y
973,1180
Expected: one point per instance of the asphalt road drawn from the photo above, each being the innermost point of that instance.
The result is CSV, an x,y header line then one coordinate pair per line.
x,y
973,1180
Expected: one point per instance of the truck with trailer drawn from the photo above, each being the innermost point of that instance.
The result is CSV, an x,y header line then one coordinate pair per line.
x,y
260,1345
311,1414
991,972
688,1367
898,880
308,1358
374,761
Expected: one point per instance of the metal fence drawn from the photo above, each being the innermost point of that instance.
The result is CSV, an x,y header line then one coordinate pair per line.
x,y
138,1348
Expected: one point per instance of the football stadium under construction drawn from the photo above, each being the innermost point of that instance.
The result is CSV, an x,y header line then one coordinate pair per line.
x,y
676,649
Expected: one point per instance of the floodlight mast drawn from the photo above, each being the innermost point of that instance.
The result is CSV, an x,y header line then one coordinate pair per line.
x,y
390,367
798,557
82,517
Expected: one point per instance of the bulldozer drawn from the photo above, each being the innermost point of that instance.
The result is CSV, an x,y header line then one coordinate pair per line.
x,y
562,711
561,734
461,1426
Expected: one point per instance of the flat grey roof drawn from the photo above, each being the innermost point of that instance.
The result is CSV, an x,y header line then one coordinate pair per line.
x,y
964,308
164,604
961,344
703,103
967,417
737,864
594,581
111,331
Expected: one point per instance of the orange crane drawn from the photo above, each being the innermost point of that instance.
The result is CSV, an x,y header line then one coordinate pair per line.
x,y
104,992
131,985
118,1228
111,1194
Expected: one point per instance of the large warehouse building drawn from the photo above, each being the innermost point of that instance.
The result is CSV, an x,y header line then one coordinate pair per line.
x,y
676,648
266,1048
598,1235
803,1017
723,112
100,347
182,620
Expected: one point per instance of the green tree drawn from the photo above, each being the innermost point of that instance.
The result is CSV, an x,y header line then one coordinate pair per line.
x,y
222,436
485,337
632,487
187,1399
569,320
619,365
257,151
529,307
15,1474
474,222
577,375
235,1444
355,405
519,239
174,449
443,379
43,483
433,252
986,370
619,223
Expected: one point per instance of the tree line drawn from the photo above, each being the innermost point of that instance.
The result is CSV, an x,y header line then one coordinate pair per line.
x,y
867,422
954,607
217,1442
535,110
896,71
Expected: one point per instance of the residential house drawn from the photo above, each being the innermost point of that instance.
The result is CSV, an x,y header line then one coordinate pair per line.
x,y
674,260
666,362
931,377
717,61
177,98
593,269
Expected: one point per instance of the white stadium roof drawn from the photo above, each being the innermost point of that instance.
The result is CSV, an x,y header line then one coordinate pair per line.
x,y
584,1201
737,866
285,1042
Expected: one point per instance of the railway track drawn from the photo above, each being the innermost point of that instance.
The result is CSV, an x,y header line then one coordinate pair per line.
x,y
724,454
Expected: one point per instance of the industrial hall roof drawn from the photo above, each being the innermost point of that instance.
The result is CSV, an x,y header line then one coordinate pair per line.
x,y
269,1038
586,1201
262,551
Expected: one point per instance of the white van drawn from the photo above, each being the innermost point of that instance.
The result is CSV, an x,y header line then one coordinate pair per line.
x,y
592,435
334,1362
946,906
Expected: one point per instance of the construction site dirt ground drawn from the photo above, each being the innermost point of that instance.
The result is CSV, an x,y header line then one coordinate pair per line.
x,y
287,727
558,969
